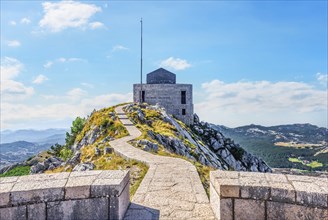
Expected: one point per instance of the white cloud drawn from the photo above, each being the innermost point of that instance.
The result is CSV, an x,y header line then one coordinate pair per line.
x,y
13,43
76,94
40,79
59,113
95,25
10,68
12,90
175,63
48,64
261,102
119,48
87,85
12,23
322,78
25,21
66,14
67,60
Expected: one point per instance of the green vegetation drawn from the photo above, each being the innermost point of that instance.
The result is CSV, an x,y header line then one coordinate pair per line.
x,y
106,120
111,162
17,171
312,164
61,151
110,126
278,157
294,160
77,126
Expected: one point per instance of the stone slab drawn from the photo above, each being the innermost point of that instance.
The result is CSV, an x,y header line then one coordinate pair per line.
x,y
246,209
86,209
276,210
13,213
79,187
310,194
5,189
36,211
39,191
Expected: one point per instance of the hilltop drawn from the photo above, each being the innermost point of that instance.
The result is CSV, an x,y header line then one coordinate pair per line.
x,y
161,134
88,144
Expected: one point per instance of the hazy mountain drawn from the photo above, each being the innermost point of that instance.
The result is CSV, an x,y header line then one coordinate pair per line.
x,y
35,136
17,146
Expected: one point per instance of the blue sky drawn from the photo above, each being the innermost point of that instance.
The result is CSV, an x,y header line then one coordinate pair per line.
x,y
249,61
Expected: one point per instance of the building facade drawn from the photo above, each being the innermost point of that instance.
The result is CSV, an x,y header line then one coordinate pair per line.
x,y
161,88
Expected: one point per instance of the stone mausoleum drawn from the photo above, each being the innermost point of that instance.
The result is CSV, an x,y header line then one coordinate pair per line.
x,y
161,88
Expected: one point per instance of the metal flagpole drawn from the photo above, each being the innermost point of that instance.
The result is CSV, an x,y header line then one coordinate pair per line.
x,y
141,66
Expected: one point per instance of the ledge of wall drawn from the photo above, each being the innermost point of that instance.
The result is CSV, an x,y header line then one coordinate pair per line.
x,y
77,195
249,195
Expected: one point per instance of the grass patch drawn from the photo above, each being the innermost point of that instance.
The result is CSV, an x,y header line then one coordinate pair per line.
x,y
294,160
17,171
312,164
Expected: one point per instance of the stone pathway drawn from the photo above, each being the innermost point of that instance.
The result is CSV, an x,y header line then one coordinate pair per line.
x,y
171,189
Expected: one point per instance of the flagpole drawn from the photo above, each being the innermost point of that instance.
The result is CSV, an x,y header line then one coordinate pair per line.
x,y
141,66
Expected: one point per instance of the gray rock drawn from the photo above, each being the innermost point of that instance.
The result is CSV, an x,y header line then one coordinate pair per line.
x,y
48,164
97,151
196,119
75,159
147,145
108,150
84,167
37,168
141,115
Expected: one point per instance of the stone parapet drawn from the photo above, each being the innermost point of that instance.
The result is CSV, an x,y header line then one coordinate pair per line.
x,y
77,195
249,195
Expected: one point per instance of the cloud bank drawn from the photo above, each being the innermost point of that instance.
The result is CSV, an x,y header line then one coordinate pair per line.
x,y
68,14
241,103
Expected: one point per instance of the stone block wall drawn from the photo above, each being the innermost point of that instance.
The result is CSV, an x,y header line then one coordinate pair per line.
x,y
168,96
248,195
77,195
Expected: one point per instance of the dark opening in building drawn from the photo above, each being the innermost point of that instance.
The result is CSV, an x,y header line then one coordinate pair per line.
x,y
183,97
143,97
183,111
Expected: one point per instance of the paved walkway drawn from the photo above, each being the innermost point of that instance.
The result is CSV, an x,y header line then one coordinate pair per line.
x,y
171,189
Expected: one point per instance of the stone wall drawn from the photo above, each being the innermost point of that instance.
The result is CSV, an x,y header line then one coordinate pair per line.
x,y
168,96
76,195
248,195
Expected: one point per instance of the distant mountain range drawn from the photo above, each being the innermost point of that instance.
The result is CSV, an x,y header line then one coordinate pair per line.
x,y
34,136
301,146
17,146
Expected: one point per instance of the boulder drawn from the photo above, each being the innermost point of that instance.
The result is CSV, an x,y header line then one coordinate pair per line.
x,y
75,159
108,150
48,164
196,119
83,167
97,151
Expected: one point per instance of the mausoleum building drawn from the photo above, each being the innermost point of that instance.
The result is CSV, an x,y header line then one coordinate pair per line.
x,y
161,88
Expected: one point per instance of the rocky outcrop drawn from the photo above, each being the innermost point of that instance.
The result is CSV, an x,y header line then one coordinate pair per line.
x,y
89,138
48,164
147,145
199,142
84,167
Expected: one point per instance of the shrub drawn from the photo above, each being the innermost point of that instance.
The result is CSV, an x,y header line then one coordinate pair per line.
x,y
65,153
17,171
